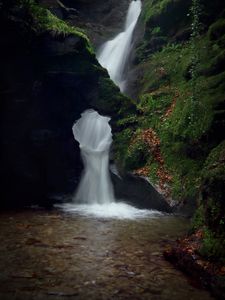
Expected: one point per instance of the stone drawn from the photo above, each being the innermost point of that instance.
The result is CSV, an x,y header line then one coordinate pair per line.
x,y
138,192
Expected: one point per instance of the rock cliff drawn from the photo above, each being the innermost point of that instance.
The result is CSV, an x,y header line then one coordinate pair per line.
x,y
49,75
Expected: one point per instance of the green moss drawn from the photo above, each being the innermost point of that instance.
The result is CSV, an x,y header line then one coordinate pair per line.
x,y
211,214
107,98
213,178
127,121
168,15
110,100
136,155
154,106
156,31
44,20
121,143
213,246
198,220
152,8
214,163
153,167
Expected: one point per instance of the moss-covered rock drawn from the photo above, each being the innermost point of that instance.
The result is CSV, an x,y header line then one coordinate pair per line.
x,y
213,189
166,17
49,75
100,19
210,214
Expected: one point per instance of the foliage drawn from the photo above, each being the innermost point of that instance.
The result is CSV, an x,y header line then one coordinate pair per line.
x,y
211,213
121,144
152,8
127,120
178,98
198,219
214,160
136,155
156,30
166,15
213,177
213,246
110,100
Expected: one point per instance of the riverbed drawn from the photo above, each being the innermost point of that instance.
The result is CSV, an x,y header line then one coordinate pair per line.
x,y
57,255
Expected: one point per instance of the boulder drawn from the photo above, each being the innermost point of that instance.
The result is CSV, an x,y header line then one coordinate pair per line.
x,y
138,192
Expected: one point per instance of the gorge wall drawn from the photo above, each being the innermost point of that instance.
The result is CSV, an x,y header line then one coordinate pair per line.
x,y
49,75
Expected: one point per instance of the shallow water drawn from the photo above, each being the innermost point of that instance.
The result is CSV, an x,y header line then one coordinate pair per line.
x,y
54,255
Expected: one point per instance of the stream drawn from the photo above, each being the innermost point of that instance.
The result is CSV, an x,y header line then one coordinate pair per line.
x,y
56,255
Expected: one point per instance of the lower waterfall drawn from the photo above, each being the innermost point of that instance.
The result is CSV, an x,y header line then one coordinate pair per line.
x,y
93,133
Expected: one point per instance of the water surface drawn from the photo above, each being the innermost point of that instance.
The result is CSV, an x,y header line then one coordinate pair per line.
x,y
56,255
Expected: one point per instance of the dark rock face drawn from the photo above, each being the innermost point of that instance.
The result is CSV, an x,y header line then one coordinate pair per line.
x,y
47,80
39,154
100,19
139,192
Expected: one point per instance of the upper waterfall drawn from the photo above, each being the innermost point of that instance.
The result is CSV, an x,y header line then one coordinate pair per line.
x,y
114,54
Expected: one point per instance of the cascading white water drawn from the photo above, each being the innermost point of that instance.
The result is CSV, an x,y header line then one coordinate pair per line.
x,y
114,54
93,133
95,194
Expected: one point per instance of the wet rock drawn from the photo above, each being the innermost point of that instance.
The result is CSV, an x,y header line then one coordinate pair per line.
x,y
139,192
184,254
100,19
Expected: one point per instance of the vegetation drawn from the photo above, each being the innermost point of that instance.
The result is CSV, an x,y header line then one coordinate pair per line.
x,y
167,103
41,20
181,98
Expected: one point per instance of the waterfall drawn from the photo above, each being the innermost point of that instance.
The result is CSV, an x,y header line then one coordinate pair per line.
x,y
93,133
95,195
114,54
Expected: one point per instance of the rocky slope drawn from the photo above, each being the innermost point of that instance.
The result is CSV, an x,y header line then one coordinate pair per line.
x,y
176,136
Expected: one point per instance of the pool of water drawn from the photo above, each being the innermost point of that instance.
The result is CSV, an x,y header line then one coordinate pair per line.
x,y
58,255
